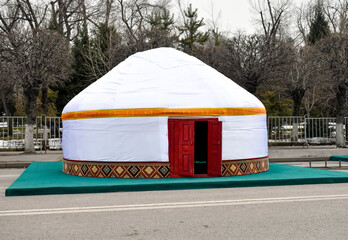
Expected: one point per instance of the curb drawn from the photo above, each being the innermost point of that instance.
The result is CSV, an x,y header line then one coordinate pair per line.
x,y
14,164
299,159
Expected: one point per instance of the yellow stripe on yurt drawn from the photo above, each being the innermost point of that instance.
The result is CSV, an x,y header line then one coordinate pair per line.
x,y
162,112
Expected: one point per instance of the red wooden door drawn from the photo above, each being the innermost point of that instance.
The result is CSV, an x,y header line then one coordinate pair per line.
x,y
173,148
214,148
186,148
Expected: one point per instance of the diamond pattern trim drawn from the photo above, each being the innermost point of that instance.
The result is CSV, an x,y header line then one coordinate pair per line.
x,y
244,167
106,170
117,170
156,170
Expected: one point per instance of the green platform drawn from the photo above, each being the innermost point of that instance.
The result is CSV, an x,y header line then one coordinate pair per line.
x,y
47,178
337,158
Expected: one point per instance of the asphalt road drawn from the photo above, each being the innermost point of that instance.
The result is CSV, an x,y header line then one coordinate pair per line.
x,y
286,212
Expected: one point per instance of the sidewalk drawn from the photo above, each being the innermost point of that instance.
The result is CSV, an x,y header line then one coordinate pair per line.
x,y
276,154
22,160
299,153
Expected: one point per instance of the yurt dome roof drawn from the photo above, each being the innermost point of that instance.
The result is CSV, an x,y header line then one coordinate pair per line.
x,y
162,78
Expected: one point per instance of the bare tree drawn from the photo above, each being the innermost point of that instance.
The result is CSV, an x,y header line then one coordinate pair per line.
x,y
7,76
337,13
304,17
303,72
320,98
250,61
257,59
68,15
41,56
273,17
334,53
144,26
104,51
134,16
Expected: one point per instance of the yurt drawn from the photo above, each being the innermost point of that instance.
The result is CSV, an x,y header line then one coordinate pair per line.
x,y
162,113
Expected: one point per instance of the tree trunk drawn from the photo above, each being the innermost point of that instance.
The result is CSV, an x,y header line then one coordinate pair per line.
x,y
341,97
251,85
44,99
297,96
31,94
4,103
8,114
29,138
294,133
340,140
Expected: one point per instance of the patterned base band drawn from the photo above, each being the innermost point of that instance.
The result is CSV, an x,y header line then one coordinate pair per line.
x,y
155,170
244,167
116,170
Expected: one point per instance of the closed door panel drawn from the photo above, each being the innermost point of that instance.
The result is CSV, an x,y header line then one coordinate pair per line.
x,y
186,148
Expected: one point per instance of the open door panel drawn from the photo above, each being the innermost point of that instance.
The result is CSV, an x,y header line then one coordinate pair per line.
x,y
214,148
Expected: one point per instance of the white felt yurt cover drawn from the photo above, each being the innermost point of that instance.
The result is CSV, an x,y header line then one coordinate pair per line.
x,y
123,116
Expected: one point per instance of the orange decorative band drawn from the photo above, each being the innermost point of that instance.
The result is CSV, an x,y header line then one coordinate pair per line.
x,y
161,112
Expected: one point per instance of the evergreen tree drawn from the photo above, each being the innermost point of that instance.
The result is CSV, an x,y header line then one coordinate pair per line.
x,y
79,77
192,37
167,21
48,104
161,28
161,20
277,103
319,26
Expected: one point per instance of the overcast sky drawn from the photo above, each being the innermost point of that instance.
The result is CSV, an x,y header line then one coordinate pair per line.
x,y
234,14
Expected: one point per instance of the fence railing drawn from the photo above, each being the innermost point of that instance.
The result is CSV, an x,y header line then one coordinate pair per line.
x,y
48,131
303,130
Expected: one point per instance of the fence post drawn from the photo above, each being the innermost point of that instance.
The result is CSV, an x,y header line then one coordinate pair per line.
x,y
45,133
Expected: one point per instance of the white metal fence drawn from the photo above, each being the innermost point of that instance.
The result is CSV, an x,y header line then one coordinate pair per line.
x,y
47,133
303,130
287,130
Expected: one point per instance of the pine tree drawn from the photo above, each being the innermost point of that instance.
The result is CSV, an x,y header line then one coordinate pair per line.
x,y
79,78
192,37
161,28
47,103
319,26
167,21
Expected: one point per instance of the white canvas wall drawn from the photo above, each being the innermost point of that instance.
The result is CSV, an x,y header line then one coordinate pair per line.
x,y
146,139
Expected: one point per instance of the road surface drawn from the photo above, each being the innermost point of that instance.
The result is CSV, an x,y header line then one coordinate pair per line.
x,y
283,212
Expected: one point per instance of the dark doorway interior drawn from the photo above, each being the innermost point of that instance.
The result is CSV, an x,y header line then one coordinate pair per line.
x,y
201,147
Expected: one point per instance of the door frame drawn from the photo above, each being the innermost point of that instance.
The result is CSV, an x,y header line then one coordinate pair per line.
x,y
174,149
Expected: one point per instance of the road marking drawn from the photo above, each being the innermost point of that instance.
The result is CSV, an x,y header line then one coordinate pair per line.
x,y
153,206
8,176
